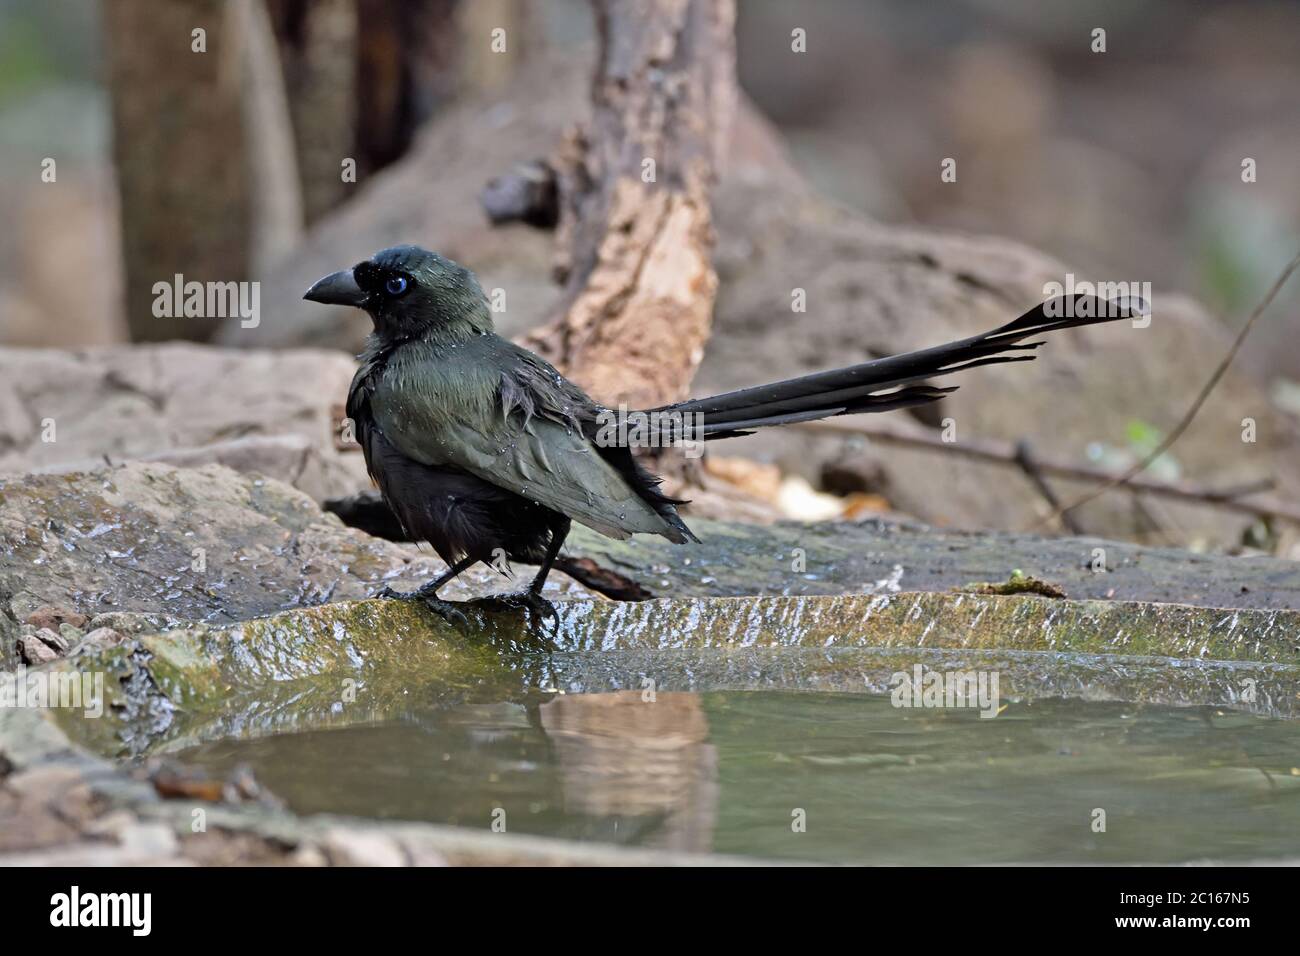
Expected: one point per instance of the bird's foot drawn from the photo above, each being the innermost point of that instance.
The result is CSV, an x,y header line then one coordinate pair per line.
x,y
528,600
447,610
387,592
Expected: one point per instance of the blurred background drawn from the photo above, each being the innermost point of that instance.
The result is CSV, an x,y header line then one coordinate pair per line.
x,y
1122,165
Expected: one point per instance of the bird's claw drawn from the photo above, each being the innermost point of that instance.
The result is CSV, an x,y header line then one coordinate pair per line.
x,y
529,601
446,610
419,594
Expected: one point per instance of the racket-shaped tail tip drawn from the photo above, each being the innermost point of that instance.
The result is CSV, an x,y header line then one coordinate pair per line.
x,y
1129,306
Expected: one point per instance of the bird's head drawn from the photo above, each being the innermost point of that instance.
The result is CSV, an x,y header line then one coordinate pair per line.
x,y
408,292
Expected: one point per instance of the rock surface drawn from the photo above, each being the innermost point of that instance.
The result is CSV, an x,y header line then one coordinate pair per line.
x,y
89,550
265,412
185,545
878,557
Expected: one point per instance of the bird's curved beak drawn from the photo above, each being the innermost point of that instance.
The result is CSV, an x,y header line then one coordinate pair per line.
x,y
337,288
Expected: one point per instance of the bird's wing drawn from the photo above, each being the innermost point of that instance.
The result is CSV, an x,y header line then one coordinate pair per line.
x,y
441,419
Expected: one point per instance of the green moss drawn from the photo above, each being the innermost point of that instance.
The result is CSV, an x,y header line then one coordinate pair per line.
x,y
1017,583
182,671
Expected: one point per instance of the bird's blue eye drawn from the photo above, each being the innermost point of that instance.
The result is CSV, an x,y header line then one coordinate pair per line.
x,y
396,285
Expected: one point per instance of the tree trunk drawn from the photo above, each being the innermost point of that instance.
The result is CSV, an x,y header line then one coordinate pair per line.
x,y
362,76
635,233
408,52
274,182
179,150
488,59
318,51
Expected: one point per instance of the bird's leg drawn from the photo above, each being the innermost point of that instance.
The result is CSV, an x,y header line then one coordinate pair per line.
x,y
427,593
429,588
532,599
559,531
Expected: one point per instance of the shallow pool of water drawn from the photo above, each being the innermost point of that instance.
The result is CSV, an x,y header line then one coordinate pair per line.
x,y
819,777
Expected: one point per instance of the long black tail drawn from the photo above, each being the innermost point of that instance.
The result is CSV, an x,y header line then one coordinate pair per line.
x,y
887,383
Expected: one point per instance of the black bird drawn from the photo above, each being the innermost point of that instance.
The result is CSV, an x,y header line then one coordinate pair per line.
x,y
485,451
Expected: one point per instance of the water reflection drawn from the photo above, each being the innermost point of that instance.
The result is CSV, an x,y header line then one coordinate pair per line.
x,y
633,754
727,771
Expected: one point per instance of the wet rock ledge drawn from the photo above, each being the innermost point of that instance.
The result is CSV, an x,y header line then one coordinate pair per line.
x,y
218,604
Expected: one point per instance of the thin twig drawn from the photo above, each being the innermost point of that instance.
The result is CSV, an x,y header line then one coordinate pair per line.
x,y
1004,453
1181,427
1029,465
